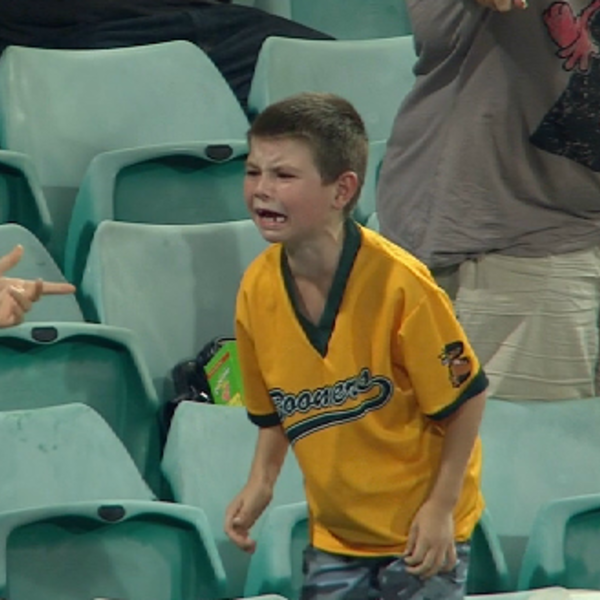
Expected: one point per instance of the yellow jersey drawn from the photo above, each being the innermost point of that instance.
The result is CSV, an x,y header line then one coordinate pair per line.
x,y
361,394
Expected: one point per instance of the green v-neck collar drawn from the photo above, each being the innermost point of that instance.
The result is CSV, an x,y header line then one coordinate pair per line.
x,y
319,335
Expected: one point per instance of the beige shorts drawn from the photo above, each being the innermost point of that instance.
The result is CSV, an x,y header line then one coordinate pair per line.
x,y
533,322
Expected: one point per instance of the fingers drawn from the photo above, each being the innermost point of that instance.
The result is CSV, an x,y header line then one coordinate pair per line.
x,y
503,5
240,535
451,559
51,288
237,527
8,261
425,562
13,306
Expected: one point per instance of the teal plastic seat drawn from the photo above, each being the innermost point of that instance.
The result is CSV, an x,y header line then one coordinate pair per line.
x,y
36,262
276,566
175,286
536,452
50,364
564,545
175,184
22,200
373,222
62,108
353,19
77,520
366,204
207,461
374,75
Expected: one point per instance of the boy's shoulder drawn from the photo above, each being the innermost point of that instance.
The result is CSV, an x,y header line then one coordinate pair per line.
x,y
264,268
392,255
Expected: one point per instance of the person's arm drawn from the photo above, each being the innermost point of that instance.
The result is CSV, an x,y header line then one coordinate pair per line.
x,y
249,504
503,5
430,546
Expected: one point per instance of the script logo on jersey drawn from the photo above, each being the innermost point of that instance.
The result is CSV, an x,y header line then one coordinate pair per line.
x,y
350,399
570,128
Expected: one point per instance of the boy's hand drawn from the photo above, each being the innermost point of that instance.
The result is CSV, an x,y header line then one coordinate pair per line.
x,y
503,5
430,548
18,295
243,512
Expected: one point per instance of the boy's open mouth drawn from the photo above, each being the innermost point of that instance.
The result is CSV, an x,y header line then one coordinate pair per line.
x,y
263,213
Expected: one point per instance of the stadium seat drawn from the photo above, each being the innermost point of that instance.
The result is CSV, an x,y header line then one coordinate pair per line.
x,y
22,200
178,184
373,222
374,75
35,263
175,286
63,107
50,364
207,461
77,520
564,545
276,566
353,19
366,204
536,452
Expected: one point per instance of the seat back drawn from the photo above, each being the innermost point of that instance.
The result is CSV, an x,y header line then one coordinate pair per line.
x,y
536,452
207,461
168,184
361,20
63,107
51,364
21,198
147,556
564,545
60,454
37,263
374,75
174,286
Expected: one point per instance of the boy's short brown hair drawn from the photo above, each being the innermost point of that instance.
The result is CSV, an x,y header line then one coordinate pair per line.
x,y
330,125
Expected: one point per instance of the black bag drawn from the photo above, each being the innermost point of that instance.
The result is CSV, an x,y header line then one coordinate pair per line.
x,y
190,382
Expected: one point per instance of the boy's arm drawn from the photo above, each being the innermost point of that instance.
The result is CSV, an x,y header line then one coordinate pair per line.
x,y
430,546
250,503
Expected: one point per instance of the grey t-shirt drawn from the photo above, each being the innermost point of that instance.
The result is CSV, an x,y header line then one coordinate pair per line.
x,y
497,148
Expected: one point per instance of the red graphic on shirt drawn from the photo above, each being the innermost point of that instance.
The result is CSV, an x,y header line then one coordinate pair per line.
x,y
571,33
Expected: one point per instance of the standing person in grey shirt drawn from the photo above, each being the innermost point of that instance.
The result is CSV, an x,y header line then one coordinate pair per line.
x,y
492,178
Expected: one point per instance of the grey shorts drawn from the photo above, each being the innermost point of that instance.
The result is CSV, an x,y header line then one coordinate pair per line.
x,y
335,577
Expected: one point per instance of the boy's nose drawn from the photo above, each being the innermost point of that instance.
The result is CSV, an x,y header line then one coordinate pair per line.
x,y
263,186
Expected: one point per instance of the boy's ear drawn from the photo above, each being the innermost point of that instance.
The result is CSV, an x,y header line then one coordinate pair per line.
x,y
347,184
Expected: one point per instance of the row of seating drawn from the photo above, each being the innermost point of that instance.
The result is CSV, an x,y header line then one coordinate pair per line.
x,y
199,268
361,20
153,134
77,520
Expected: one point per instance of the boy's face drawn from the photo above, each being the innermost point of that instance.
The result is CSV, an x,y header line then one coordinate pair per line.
x,y
284,192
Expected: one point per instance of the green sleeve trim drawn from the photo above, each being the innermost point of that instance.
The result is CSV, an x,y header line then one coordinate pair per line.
x,y
269,420
478,384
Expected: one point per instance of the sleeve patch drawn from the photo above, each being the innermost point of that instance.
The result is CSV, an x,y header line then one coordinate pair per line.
x,y
459,366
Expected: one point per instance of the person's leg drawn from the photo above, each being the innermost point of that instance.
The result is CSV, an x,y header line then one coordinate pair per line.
x,y
533,322
334,577
396,584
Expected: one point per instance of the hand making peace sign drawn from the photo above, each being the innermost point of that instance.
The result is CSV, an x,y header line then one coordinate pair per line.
x,y
18,295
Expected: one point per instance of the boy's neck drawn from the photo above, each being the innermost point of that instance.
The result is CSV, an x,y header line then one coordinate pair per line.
x,y
316,260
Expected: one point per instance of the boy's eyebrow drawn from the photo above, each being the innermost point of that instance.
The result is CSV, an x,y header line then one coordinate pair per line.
x,y
282,165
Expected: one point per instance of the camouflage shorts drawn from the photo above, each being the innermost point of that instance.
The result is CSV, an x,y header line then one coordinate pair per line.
x,y
334,577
